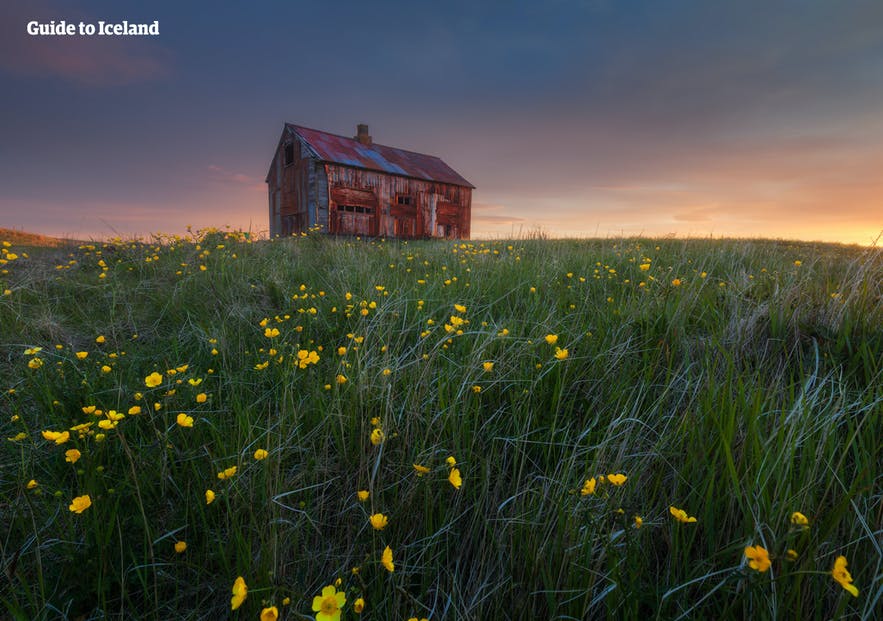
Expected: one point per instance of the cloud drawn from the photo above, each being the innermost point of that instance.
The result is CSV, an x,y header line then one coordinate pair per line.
x,y
487,213
93,61
222,175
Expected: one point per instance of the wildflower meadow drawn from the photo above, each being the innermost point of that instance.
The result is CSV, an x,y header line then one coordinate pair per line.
x,y
213,426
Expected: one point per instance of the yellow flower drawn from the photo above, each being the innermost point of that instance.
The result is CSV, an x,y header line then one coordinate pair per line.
x,y
201,397
80,504
180,547
153,380
487,366
378,521
639,521
81,355
377,436
100,338
260,454
798,519
386,560
134,410
451,461
476,389
454,478
616,479
644,267
72,455
106,369
798,263
341,351
184,420
362,495
791,554
421,470
359,606
32,484
842,575
341,379
680,515
59,437
676,282
561,354
240,592
459,308
329,604
209,496
271,333
270,614
226,474
589,487
759,558
35,363
21,435
551,339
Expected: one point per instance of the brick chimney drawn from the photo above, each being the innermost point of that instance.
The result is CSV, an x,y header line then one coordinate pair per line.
x,y
362,134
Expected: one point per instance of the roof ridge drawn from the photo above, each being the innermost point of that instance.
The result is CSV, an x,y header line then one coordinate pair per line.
x,y
386,146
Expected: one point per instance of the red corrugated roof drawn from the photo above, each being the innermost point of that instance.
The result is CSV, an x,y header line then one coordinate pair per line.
x,y
350,152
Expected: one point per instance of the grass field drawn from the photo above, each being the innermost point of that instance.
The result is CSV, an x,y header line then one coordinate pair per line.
x,y
535,422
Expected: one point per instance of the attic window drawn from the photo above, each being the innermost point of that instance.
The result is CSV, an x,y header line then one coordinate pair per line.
x,y
404,199
289,153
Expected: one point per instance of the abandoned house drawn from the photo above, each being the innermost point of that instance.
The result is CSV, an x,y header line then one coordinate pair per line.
x,y
352,186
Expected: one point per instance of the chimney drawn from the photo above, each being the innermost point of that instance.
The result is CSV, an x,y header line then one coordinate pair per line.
x,y
362,136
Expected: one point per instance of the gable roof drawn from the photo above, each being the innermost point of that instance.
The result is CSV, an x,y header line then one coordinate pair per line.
x,y
336,149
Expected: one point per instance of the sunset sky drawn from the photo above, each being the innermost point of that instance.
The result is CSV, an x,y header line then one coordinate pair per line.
x,y
577,117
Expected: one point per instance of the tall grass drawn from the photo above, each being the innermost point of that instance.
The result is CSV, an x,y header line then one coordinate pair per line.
x,y
739,381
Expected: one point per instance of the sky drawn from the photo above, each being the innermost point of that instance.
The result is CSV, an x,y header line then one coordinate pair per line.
x,y
574,118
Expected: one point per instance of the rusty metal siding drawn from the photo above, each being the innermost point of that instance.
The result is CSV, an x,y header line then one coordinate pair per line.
x,y
352,186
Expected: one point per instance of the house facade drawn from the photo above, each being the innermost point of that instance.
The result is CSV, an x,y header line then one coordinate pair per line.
x,y
352,186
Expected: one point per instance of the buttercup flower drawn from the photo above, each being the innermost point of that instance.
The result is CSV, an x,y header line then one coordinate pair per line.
x,y
842,576
270,614
329,604
589,487
82,355
80,504
185,421
153,380
798,519
240,592
72,455
386,560
421,470
487,366
260,454
201,397
680,515
378,521
226,474
455,479
362,495
32,484
551,339
377,436
180,547
209,496
639,521
359,606
271,333
561,354
759,558
616,479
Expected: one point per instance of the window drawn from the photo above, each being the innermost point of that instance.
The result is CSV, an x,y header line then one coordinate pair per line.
x,y
404,199
355,209
289,153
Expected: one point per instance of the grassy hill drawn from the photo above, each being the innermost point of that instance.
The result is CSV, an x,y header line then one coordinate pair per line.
x,y
511,429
